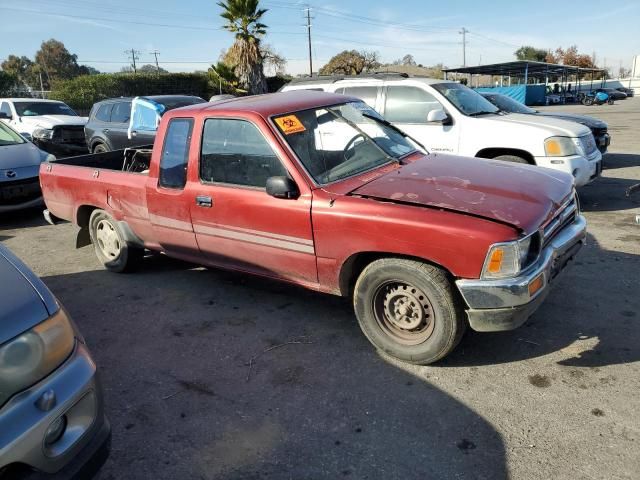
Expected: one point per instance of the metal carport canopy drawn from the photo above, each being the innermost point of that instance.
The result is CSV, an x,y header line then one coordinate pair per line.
x,y
523,68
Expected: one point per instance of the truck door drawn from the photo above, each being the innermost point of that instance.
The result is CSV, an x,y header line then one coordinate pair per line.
x,y
168,195
408,107
237,224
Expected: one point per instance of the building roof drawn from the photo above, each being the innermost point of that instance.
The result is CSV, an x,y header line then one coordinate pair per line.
x,y
521,67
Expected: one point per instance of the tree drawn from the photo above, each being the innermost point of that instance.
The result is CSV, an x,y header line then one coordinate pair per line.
x,y
22,69
351,62
223,79
406,60
528,52
572,57
148,68
273,59
243,19
56,62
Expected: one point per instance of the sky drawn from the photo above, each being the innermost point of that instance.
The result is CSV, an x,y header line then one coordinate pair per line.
x,y
188,34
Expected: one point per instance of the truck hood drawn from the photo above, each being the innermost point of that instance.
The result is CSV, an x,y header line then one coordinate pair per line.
x,y
585,120
25,300
549,125
522,196
50,121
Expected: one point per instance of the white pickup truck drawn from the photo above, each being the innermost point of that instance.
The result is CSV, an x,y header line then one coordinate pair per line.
x,y
51,125
449,117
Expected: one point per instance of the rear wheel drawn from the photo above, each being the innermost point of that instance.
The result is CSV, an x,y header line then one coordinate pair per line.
x,y
409,310
110,246
100,148
512,159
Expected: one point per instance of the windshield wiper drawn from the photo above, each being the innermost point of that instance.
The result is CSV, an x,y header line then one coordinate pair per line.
x,y
387,123
482,112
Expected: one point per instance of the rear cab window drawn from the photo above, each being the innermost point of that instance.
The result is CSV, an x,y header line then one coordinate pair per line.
x,y
175,153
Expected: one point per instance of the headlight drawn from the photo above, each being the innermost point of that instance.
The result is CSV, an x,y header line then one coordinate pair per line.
x,y
559,147
508,259
30,357
42,133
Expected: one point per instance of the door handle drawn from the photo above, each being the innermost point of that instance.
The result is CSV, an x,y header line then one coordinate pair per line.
x,y
134,133
204,201
106,130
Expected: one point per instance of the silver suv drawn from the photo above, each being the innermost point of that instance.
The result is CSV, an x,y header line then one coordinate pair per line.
x,y
52,422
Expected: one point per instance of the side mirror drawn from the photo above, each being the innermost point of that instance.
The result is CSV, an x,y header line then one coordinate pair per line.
x,y
437,116
5,116
282,187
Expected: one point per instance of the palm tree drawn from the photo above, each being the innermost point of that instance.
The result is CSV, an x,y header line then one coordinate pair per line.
x,y
243,19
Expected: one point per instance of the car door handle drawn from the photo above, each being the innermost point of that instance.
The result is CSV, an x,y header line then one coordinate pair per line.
x,y
106,130
134,133
204,201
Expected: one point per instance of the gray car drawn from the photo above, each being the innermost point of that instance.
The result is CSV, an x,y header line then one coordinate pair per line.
x,y
52,421
19,166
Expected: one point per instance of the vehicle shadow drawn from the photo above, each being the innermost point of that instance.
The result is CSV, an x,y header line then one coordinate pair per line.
x,y
210,374
608,194
612,161
31,217
576,322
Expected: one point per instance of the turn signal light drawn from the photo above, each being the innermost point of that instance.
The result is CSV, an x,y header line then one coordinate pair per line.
x,y
536,284
495,261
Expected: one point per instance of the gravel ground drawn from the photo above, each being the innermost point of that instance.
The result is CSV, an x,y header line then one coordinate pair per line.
x,y
213,375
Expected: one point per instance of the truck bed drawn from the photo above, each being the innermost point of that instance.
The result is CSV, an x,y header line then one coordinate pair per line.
x,y
116,180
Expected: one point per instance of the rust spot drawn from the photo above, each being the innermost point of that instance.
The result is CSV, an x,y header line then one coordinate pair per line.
x,y
412,196
397,196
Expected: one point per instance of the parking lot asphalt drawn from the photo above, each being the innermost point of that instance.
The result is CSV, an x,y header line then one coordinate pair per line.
x,y
215,375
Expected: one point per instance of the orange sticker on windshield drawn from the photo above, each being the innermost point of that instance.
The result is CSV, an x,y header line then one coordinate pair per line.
x,y
290,124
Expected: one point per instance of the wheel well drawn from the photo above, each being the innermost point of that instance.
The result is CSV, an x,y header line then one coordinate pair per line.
x,y
496,152
97,142
84,214
356,263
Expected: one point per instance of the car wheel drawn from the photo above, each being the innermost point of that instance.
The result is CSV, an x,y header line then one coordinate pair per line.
x,y
110,246
512,159
100,148
409,310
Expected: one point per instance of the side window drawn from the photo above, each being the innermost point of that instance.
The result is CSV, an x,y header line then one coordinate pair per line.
x,y
5,108
175,153
235,152
409,105
121,112
366,94
145,118
104,112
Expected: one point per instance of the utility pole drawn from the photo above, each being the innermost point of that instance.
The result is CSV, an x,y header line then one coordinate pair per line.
x,y
155,53
464,32
133,56
308,9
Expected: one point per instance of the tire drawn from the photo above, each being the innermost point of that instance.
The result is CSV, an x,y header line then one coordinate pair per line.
x,y
108,242
512,159
610,101
383,298
100,148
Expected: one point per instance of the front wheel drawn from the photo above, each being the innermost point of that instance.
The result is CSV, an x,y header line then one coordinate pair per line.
x,y
610,101
110,246
409,310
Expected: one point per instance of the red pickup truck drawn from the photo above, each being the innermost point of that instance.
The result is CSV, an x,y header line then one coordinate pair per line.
x,y
317,189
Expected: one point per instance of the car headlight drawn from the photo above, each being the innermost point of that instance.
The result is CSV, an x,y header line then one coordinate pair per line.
x,y
42,133
33,355
508,259
559,147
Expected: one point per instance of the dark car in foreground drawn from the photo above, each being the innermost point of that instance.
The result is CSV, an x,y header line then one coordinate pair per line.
x,y
597,127
19,165
110,125
627,91
52,421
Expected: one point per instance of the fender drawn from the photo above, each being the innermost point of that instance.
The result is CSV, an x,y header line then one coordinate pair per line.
x,y
84,236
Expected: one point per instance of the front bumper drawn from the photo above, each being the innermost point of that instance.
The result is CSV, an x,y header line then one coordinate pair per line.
x,y
603,141
505,304
584,170
84,445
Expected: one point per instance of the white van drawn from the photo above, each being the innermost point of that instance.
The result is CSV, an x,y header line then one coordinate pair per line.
x,y
449,117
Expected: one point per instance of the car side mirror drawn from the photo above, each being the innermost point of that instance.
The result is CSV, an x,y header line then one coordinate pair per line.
x,y
5,116
437,116
282,187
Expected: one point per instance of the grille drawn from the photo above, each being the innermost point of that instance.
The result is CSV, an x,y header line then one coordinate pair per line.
x,y
19,191
598,132
565,216
69,134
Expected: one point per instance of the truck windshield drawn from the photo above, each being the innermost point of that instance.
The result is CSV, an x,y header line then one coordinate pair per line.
x,y
508,104
337,142
33,109
8,136
467,101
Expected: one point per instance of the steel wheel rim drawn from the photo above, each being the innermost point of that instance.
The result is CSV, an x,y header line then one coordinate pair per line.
x,y
108,239
404,312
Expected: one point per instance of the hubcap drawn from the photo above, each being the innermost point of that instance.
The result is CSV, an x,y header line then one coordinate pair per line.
x,y
404,312
108,239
